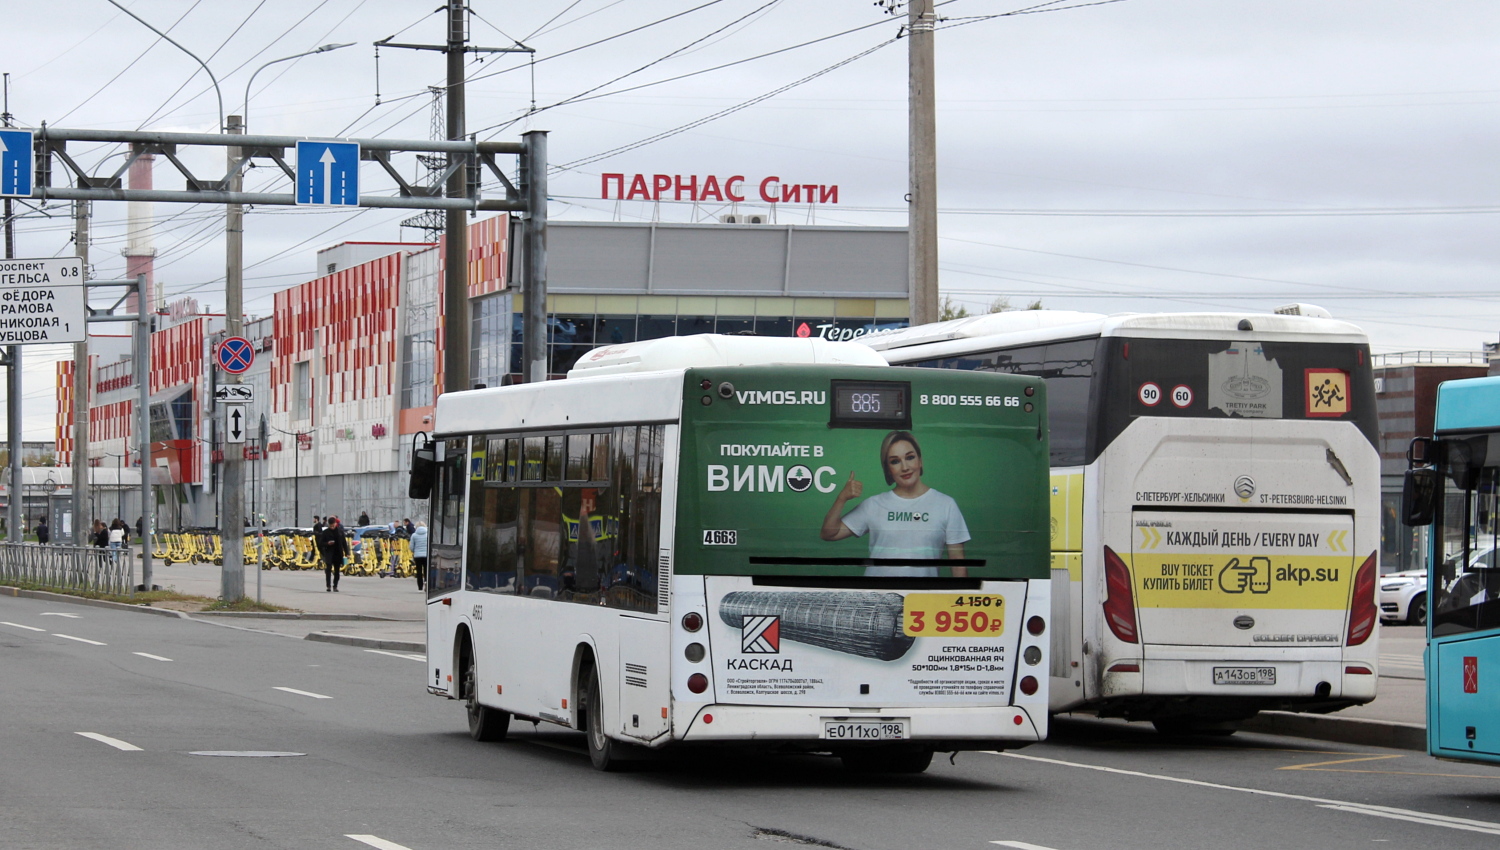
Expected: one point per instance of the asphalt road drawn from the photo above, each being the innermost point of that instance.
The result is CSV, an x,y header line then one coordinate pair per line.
x,y
384,761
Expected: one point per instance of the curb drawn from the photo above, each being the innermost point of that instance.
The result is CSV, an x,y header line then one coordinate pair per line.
x,y
299,615
97,603
1343,730
368,643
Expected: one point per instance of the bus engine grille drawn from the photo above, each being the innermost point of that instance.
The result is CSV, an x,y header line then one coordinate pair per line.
x,y
866,624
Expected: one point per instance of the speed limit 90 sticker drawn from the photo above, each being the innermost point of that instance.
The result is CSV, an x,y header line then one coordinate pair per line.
x,y
953,615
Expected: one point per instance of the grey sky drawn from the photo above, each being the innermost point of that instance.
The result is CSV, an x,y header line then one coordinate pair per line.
x,y
1137,155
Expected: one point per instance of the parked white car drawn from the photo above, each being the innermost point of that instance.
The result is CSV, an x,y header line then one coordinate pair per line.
x,y
1403,597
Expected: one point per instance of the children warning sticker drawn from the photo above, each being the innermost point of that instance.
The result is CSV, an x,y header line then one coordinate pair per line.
x,y
1327,392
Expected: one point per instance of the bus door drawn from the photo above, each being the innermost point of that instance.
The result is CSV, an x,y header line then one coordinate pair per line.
x,y
1463,661
1242,578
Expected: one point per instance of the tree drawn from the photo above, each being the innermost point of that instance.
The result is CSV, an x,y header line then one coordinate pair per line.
x,y
953,310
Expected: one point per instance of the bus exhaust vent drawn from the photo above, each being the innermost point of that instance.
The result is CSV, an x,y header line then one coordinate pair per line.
x,y
663,580
866,624
1311,310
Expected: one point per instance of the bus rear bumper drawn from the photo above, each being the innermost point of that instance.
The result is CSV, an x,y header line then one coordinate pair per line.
x,y
944,728
1313,679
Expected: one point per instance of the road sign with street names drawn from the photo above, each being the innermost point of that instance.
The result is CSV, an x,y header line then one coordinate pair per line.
x,y
234,393
328,173
234,355
15,163
42,301
236,424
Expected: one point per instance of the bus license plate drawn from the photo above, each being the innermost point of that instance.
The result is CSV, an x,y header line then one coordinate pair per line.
x,y
865,730
1244,675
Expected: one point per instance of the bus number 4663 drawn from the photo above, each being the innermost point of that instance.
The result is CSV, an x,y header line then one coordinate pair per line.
x,y
720,537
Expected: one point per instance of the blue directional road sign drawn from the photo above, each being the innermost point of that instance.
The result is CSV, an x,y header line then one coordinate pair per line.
x,y
235,355
328,173
15,163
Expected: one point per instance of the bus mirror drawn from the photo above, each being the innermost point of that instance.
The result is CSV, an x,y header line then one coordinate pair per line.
x,y
423,468
1419,496
1419,451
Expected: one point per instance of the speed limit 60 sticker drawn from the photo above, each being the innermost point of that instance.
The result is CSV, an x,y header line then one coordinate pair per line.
x,y
954,615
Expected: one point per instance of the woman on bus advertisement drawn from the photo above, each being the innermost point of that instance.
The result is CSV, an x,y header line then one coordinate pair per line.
x,y
909,521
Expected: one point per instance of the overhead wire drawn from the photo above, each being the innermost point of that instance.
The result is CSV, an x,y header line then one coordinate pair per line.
x,y
120,73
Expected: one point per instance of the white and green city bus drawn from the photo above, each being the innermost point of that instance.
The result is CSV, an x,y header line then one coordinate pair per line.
x,y
1215,504
732,540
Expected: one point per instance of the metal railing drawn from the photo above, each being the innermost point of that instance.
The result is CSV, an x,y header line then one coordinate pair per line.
x,y
1440,358
67,567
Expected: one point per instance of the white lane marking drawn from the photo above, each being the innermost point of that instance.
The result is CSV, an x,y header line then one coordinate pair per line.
x,y
19,626
1420,817
378,842
1340,805
410,655
60,614
303,693
79,639
150,656
1020,845
113,742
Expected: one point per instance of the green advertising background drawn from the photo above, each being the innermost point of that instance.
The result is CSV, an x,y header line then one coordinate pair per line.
x,y
992,460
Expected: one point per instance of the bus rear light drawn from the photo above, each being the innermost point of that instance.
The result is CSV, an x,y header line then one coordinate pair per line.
x,y
708,718
1119,604
1017,720
697,683
694,652
1357,670
1036,625
1124,667
1028,685
692,621
1363,612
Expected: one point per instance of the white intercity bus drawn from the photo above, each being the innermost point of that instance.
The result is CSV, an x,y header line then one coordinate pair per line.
x,y
730,540
1215,505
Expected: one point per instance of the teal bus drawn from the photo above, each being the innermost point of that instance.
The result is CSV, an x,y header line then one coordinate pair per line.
x,y
736,541
1451,485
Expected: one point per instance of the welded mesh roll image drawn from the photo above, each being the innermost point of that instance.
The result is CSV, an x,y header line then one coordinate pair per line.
x,y
865,624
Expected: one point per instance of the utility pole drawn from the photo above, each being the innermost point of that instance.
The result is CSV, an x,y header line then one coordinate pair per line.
x,y
456,248
534,185
15,522
922,226
81,382
231,522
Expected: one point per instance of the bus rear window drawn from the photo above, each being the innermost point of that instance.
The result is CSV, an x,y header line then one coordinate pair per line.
x,y
1233,379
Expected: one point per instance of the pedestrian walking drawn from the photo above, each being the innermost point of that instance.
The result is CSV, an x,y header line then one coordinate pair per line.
x,y
334,548
118,531
43,535
364,519
419,553
140,527
100,537
406,523
317,525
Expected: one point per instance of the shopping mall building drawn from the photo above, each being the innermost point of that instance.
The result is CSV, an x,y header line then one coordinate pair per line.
x,y
348,365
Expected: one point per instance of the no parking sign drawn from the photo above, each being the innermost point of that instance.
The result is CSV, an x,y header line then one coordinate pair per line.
x,y
234,355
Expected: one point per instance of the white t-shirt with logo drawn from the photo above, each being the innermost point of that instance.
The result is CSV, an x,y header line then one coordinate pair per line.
x,y
908,528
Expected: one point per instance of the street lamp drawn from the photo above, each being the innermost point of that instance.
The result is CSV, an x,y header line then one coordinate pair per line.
x,y
245,104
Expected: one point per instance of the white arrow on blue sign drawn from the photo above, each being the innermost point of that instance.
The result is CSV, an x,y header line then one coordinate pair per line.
x,y
15,163
328,173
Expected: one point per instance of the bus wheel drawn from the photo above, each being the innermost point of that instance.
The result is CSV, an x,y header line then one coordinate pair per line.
x,y
1416,614
485,723
603,751
1180,726
881,760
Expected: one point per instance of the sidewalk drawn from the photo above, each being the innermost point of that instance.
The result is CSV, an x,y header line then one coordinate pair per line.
x,y
390,613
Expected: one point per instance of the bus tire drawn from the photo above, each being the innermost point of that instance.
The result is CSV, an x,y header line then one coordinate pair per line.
x,y
603,750
886,760
485,724
1416,612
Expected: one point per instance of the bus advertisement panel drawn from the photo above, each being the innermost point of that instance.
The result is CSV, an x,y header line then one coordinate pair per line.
x,y
852,533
